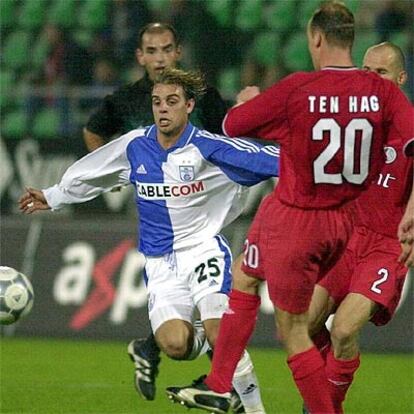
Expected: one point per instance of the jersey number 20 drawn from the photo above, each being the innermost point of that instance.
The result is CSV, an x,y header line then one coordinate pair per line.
x,y
348,170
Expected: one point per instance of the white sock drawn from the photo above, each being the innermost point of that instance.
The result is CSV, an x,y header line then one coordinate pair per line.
x,y
246,384
200,344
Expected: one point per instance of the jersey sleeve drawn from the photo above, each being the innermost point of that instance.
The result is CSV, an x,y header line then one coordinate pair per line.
x,y
213,109
92,175
243,161
263,116
400,112
105,121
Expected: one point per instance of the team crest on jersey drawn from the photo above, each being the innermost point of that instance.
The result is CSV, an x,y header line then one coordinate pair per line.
x,y
390,155
187,173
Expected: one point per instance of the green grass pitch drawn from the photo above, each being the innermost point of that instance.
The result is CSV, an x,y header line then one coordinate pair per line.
x,y
81,377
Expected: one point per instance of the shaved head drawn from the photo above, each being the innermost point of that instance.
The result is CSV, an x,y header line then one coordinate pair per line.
x,y
387,60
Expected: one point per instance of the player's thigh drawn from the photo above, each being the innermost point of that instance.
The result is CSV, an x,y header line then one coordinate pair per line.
x,y
351,315
242,281
169,296
208,268
380,277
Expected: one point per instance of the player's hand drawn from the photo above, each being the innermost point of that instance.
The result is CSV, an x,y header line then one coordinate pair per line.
x,y
32,200
249,92
407,254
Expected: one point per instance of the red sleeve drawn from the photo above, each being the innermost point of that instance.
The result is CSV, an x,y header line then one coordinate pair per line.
x,y
263,116
400,112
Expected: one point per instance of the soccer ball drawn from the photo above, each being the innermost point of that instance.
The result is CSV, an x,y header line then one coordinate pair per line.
x,y
16,295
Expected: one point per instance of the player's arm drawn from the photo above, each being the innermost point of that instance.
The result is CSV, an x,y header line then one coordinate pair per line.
x,y
92,175
243,161
102,125
262,115
92,140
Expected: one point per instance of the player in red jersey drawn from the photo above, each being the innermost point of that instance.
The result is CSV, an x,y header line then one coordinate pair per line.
x,y
366,284
332,125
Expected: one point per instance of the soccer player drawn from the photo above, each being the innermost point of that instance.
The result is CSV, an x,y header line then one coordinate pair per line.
x,y
129,108
366,284
189,183
332,125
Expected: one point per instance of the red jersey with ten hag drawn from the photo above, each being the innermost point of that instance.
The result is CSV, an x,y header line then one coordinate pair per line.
x,y
382,206
332,126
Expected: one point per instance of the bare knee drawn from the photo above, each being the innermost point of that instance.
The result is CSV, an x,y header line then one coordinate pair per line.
x,y
175,339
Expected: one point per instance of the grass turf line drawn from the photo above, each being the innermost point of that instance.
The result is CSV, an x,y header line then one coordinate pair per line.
x,y
81,377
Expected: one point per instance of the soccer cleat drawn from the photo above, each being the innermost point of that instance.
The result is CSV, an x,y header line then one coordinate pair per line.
x,y
235,403
198,395
146,368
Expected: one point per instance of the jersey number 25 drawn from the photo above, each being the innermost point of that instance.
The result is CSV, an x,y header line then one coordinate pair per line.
x,y
348,169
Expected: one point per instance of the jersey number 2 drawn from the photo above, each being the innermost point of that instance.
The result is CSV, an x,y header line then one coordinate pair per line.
x,y
348,170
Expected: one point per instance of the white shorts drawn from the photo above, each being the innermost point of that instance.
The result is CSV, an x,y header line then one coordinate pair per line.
x,y
179,282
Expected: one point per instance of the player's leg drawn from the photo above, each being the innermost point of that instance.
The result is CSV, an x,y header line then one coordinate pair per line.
x,y
321,307
169,304
375,290
244,378
343,359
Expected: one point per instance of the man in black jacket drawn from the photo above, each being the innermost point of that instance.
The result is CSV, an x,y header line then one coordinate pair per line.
x,y
129,107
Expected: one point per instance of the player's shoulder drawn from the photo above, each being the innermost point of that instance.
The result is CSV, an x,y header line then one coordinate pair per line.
x,y
207,140
135,134
130,90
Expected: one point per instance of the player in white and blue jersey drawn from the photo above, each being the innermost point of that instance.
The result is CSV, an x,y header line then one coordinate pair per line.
x,y
189,184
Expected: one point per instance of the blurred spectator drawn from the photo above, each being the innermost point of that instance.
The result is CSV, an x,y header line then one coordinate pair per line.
x,y
66,64
127,16
105,80
393,18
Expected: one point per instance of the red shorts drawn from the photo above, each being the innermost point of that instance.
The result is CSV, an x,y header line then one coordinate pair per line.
x,y
369,267
292,249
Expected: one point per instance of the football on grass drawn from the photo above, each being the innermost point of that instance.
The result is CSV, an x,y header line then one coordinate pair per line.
x,y
16,295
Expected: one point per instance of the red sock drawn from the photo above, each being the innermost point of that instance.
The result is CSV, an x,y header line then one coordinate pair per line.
x,y
236,328
308,369
340,374
322,341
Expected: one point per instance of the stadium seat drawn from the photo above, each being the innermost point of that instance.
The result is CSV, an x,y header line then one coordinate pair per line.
x,y
7,13
282,16
401,39
40,52
7,80
267,48
295,53
14,124
249,15
15,51
93,14
32,14
362,42
46,124
221,10
158,6
229,82
62,13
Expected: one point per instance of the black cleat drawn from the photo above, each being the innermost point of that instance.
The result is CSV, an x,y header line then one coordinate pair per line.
x,y
198,395
146,368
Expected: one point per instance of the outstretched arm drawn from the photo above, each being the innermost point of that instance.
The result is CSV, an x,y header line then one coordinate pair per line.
x,y
33,200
